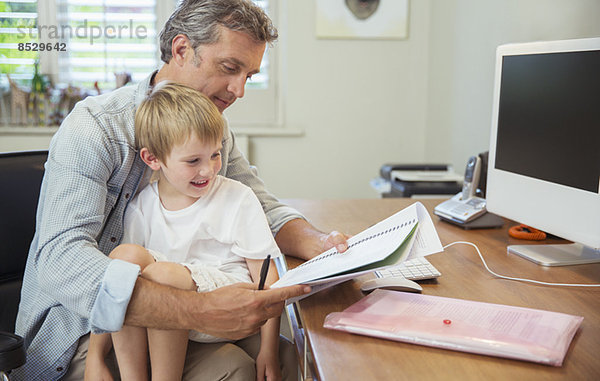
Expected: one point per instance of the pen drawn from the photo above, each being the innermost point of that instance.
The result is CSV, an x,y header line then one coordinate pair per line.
x,y
263,272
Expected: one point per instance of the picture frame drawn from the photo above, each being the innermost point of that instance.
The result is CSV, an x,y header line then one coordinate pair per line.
x,y
362,19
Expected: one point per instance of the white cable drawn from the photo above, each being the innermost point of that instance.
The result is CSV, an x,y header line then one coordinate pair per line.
x,y
519,279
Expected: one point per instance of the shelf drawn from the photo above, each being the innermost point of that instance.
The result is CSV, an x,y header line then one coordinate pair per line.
x,y
239,131
28,130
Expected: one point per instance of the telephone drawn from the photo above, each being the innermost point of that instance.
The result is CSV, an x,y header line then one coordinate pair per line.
x,y
461,210
465,206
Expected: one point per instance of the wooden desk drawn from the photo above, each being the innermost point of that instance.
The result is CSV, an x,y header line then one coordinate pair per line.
x,y
343,356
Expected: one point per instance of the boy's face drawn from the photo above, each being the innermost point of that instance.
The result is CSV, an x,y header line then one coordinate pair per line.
x,y
189,170
220,70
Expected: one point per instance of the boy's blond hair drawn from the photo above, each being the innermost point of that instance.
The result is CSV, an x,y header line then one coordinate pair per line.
x,y
171,114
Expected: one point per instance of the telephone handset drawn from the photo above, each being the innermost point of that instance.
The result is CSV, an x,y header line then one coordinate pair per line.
x,y
465,206
471,181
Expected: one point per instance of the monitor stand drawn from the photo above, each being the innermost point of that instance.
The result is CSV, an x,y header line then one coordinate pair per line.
x,y
557,255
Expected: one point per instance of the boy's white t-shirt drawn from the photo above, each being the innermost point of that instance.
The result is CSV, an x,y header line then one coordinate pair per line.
x,y
219,230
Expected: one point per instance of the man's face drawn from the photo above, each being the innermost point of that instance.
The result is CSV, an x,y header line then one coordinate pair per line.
x,y
220,70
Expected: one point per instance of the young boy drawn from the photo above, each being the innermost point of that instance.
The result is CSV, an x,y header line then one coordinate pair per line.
x,y
191,229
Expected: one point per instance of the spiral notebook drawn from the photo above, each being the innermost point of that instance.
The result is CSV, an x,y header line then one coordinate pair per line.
x,y
461,325
407,234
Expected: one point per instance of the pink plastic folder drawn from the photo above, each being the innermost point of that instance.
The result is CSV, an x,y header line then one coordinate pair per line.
x,y
460,325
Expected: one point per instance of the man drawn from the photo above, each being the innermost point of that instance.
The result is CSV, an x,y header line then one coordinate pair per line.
x,y
71,286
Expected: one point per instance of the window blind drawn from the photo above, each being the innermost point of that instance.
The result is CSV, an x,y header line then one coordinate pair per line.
x,y
18,21
104,37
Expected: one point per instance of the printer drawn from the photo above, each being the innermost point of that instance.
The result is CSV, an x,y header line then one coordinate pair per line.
x,y
418,180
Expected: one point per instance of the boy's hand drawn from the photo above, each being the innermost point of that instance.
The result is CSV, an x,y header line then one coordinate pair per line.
x,y
96,370
267,366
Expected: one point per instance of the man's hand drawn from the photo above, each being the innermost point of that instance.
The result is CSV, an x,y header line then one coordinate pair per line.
x,y
231,312
239,310
300,239
335,239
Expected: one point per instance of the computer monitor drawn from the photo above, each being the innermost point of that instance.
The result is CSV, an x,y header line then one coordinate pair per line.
x,y
544,159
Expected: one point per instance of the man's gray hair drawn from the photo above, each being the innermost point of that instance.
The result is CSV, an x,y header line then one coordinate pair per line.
x,y
199,20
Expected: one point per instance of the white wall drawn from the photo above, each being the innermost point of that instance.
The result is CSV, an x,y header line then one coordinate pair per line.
x,y
464,35
427,99
362,103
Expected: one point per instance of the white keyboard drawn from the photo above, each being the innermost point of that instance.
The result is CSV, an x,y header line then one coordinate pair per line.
x,y
415,269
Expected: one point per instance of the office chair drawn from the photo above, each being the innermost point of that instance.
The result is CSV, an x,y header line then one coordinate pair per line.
x,y
12,353
21,175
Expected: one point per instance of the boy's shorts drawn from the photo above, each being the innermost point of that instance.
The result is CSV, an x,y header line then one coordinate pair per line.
x,y
207,279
